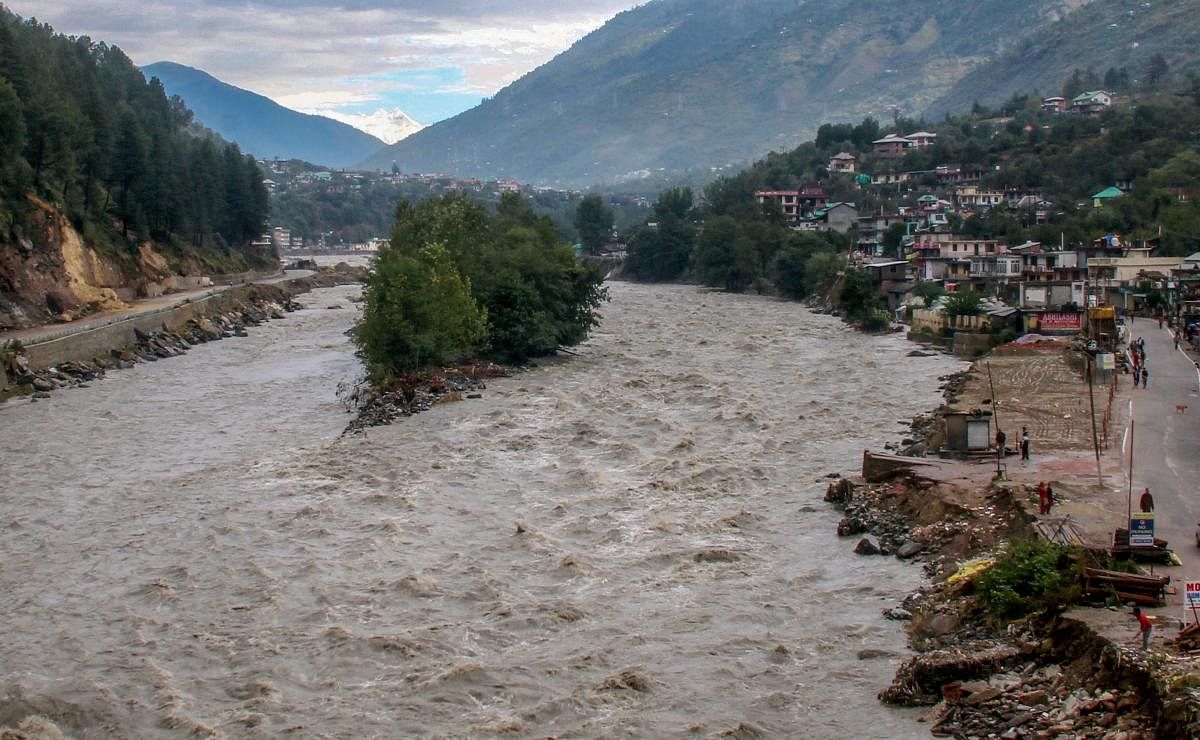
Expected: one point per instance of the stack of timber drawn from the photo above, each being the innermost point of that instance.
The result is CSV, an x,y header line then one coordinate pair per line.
x,y
1156,553
1127,587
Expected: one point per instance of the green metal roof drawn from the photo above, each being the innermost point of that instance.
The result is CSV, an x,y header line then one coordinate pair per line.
x,y
1109,192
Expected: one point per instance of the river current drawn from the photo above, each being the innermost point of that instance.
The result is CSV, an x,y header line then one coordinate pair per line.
x,y
628,542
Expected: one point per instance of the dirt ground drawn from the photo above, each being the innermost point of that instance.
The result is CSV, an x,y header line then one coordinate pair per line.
x,y
1038,388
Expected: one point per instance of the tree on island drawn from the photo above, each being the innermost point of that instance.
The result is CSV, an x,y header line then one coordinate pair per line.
x,y
456,283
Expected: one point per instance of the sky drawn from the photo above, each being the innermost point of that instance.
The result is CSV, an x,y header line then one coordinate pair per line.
x,y
430,58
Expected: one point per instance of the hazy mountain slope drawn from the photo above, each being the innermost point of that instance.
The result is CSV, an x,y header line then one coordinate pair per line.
x,y
676,83
261,126
1106,33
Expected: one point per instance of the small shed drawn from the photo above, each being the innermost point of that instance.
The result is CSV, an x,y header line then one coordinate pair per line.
x,y
969,431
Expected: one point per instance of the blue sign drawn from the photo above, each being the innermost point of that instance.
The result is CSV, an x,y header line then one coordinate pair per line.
x,y
1141,529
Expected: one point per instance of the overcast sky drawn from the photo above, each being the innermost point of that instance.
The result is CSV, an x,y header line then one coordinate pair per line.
x,y
431,58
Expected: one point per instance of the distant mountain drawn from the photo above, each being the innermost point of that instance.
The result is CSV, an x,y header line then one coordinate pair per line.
x,y
674,84
389,126
261,126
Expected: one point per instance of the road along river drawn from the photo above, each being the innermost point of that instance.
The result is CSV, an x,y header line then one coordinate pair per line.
x,y
629,542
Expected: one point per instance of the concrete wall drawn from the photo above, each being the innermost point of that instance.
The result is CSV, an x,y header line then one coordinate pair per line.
x,y
74,345
934,321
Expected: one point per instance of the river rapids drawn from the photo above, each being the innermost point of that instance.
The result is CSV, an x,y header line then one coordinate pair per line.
x,y
628,542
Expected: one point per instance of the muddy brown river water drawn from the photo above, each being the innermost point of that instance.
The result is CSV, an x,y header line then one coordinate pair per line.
x,y
189,546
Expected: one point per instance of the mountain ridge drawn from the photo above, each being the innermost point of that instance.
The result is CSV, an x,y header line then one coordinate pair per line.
x,y
261,126
676,83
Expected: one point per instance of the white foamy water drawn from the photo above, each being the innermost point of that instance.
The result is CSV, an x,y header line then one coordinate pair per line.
x,y
189,545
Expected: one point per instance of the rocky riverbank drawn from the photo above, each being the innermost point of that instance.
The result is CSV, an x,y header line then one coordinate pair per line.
x,y
239,309
1043,676
259,304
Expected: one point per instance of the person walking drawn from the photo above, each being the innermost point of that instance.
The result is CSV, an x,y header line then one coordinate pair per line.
x,y
1145,627
1145,376
1146,502
1024,443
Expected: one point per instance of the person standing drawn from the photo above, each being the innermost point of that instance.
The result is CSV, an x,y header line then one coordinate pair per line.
x,y
1043,497
1145,627
1146,502
1049,498
1001,440
1145,376
1024,443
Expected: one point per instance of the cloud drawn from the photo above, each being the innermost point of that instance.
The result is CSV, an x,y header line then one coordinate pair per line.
x,y
335,54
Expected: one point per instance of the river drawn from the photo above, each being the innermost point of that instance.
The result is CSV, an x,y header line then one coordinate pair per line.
x,y
627,542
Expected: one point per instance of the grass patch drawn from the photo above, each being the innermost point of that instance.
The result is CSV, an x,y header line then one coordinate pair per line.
x,y
1032,576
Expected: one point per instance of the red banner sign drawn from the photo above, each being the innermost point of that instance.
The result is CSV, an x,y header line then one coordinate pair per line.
x,y
1061,321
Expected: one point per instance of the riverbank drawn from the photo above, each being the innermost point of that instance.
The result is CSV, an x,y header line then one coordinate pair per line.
x,y
1056,672
70,356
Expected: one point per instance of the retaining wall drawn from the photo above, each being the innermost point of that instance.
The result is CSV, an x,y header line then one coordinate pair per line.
x,y
81,345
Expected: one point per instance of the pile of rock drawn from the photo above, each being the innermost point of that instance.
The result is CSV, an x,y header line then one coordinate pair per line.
x,y
419,394
39,383
1039,702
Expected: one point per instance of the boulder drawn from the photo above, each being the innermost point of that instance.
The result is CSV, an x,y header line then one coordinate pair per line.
x,y
909,549
850,526
866,547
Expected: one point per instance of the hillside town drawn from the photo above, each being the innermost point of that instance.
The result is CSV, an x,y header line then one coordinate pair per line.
x,y
1029,286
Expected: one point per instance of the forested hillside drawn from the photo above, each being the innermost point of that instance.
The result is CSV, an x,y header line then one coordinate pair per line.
x,y
673,84
87,145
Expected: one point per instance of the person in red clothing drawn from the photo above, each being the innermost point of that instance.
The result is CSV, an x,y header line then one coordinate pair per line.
x,y
1144,627
1043,498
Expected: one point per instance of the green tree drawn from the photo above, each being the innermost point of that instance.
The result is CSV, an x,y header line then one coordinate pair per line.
x,y
725,257
821,271
858,299
963,303
787,271
929,292
594,222
418,311
674,203
1155,73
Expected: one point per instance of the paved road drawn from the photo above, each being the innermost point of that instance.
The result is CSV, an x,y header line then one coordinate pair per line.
x,y
1166,456
137,308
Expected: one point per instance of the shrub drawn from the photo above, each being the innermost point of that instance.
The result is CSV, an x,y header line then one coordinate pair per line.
x,y
1032,576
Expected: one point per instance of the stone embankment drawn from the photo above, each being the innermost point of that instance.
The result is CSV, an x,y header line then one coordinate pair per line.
x,y
154,336
258,304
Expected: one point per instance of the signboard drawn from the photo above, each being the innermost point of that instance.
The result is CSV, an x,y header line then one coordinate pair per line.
x,y
1107,360
1191,595
1141,529
1053,321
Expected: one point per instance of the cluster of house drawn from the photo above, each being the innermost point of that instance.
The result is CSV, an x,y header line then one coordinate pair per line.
x,y
1090,103
1047,288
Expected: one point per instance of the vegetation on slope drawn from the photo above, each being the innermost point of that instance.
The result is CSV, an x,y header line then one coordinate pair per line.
x,y
81,129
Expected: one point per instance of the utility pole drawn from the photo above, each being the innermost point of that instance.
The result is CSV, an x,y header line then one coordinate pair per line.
x,y
1092,404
